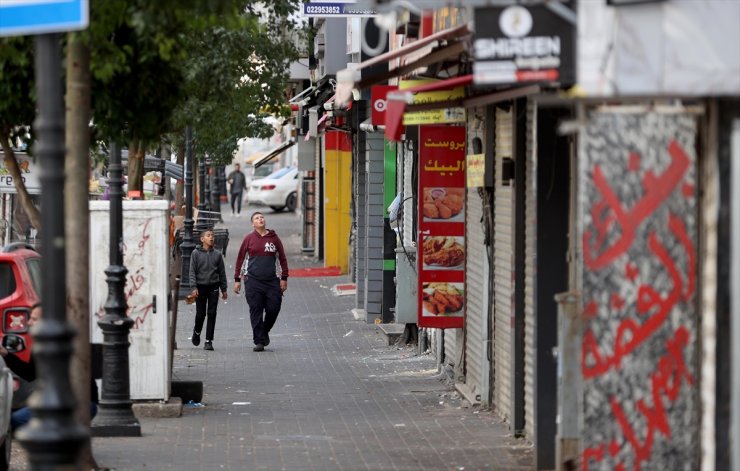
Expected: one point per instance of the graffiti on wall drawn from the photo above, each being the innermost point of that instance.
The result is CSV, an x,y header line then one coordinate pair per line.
x,y
639,237
136,259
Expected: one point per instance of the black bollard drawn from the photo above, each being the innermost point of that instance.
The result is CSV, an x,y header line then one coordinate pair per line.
x,y
115,416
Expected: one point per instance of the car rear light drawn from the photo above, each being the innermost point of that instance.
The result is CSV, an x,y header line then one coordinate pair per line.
x,y
268,187
15,321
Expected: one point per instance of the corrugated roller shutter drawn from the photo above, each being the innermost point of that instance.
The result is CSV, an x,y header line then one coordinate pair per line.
x,y
503,246
409,206
475,287
530,247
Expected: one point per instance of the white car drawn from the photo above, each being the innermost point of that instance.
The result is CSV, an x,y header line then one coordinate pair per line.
x,y
278,190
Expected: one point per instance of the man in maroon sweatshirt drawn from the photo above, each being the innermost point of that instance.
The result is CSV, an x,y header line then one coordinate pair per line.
x,y
263,287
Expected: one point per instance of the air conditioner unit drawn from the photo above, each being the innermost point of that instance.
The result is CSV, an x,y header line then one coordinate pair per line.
x,y
320,43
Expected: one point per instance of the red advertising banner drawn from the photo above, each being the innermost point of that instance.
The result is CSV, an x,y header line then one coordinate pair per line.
x,y
378,99
441,260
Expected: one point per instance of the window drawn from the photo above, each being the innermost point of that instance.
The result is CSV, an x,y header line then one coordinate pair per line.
x,y
281,172
34,270
7,280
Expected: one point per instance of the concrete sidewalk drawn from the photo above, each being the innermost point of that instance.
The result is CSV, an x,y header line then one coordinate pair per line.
x,y
327,394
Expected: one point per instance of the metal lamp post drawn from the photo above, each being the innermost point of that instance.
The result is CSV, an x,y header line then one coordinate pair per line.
x,y
187,245
201,224
216,192
115,417
53,436
208,183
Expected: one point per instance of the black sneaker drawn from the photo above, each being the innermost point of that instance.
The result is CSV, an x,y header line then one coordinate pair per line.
x,y
208,345
266,339
196,338
259,348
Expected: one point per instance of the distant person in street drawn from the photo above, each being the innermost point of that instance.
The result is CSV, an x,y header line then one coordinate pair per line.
x,y
27,371
208,275
238,183
256,262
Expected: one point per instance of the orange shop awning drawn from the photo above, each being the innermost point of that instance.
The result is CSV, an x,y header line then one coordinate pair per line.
x,y
346,78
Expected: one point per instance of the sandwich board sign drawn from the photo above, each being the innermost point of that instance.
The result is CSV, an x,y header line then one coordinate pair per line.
x,y
24,17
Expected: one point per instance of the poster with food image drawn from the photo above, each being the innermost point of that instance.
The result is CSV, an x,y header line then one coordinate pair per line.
x,y
444,204
443,252
442,299
441,217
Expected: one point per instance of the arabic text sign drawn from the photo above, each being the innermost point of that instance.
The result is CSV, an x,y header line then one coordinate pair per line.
x,y
476,170
440,116
21,17
331,9
441,264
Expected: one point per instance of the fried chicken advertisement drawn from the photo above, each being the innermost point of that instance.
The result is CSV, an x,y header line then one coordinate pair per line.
x,y
443,203
441,298
443,251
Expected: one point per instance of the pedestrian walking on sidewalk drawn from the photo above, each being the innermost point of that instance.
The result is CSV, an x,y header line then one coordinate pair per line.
x,y
256,262
238,183
208,275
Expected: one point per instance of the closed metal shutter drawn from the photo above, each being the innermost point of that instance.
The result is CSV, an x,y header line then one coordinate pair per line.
x,y
476,285
503,268
530,247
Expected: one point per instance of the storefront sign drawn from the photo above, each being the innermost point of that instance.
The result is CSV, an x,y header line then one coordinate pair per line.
x,y
475,170
440,116
518,44
29,173
379,94
441,255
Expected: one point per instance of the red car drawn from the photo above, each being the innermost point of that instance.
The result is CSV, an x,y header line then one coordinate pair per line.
x,y
20,289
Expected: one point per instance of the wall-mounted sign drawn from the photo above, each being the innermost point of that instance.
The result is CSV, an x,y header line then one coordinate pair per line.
x,y
29,173
441,252
475,170
518,44
379,102
440,116
331,9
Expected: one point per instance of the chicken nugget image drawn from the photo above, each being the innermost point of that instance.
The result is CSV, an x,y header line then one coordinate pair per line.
x,y
430,211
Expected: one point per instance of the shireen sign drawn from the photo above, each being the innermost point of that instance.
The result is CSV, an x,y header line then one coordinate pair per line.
x,y
518,44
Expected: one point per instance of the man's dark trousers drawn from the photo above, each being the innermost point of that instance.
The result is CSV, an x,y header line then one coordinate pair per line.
x,y
236,202
263,297
206,303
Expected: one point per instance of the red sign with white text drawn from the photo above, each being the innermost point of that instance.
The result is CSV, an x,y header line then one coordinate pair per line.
x,y
378,94
441,240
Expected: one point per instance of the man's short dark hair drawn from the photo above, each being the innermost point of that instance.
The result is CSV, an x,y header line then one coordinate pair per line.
x,y
206,231
251,218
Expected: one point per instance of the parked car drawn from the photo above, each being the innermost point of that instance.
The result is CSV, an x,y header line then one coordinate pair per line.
x,y
20,289
278,190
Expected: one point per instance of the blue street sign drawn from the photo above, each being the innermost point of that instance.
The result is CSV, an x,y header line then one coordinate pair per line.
x,y
22,17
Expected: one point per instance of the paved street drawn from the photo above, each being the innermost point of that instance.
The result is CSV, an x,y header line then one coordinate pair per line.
x,y
327,394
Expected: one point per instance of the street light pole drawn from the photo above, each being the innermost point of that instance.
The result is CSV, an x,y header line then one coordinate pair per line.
x,y
202,184
187,245
216,192
115,417
53,436
202,224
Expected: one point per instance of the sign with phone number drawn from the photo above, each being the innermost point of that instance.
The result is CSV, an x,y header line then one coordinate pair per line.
x,y
326,9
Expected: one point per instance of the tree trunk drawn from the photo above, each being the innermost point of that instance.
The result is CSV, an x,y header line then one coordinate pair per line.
x,y
136,167
12,165
77,229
